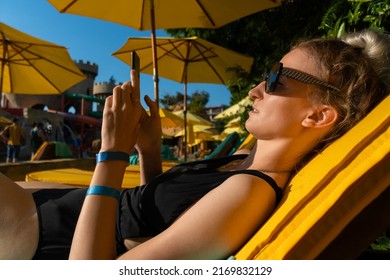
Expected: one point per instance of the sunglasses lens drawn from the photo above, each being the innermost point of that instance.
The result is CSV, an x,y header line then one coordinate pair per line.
x,y
273,77
265,78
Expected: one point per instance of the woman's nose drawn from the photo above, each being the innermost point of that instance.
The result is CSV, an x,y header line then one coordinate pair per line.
x,y
257,91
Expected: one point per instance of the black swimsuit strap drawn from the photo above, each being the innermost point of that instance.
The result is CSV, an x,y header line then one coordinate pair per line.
x,y
278,190
219,162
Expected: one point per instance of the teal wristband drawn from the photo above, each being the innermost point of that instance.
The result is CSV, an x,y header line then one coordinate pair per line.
x,y
105,191
107,156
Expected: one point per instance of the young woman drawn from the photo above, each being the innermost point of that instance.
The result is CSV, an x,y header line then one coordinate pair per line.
x,y
204,209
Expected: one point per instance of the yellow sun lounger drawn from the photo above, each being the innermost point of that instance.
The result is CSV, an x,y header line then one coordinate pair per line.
x,y
82,178
337,205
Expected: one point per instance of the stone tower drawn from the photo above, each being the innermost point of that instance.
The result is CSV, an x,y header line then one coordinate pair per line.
x,y
102,90
90,70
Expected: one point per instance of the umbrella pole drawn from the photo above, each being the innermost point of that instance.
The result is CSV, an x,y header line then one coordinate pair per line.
x,y
2,72
185,117
154,52
1,83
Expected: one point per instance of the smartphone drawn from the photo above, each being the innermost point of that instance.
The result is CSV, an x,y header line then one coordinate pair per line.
x,y
135,62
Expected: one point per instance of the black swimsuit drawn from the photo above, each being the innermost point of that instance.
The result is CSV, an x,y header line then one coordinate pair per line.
x,y
144,211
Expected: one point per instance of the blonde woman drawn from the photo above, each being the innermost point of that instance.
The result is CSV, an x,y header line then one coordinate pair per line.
x,y
205,209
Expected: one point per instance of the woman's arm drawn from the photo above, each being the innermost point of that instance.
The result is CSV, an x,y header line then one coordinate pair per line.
x,y
216,226
94,237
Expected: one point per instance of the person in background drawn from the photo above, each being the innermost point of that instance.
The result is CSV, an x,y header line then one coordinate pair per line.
x,y
38,136
15,134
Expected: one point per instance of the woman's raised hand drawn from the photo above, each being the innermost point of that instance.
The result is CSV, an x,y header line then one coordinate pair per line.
x,y
122,117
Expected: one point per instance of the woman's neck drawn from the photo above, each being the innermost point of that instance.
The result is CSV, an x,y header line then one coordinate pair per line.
x,y
277,159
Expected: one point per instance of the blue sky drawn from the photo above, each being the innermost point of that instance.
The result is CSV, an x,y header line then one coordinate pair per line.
x,y
93,40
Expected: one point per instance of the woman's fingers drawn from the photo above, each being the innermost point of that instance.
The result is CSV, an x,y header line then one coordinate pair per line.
x,y
125,96
116,97
108,102
126,92
135,93
152,106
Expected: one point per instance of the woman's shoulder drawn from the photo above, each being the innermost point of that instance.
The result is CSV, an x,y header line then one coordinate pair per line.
x,y
255,178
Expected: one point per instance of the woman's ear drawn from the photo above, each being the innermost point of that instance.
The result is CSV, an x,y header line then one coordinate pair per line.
x,y
321,116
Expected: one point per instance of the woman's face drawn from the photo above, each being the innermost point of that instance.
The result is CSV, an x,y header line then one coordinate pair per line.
x,y
279,114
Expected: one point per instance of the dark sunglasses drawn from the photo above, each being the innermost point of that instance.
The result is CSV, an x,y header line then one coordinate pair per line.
x,y
271,78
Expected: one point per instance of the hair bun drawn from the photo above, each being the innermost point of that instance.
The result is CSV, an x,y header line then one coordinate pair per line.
x,y
376,47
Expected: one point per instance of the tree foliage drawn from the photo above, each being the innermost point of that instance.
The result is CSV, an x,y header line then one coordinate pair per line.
x,y
170,102
353,15
197,103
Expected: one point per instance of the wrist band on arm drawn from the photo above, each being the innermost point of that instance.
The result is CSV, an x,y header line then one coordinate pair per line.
x,y
107,156
105,191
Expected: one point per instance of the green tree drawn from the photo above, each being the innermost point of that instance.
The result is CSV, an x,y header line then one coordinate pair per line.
x,y
353,15
112,80
197,103
171,102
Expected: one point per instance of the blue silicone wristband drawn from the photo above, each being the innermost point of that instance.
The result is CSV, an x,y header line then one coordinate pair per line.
x,y
107,156
105,191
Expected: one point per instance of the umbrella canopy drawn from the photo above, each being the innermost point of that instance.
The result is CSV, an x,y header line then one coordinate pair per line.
x,y
33,66
204,132
198,133
152,14
169,119
193,119
233,126
235,109
4,120
186,60
167,13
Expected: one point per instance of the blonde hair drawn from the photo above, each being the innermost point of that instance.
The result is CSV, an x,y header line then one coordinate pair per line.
x,y
359,65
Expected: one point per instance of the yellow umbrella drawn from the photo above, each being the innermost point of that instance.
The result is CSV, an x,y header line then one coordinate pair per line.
x,y
186,60
235,109
192,122
169,119
33,66
198,133
233,126
204,133
193,119
167,13
4,120
151,14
